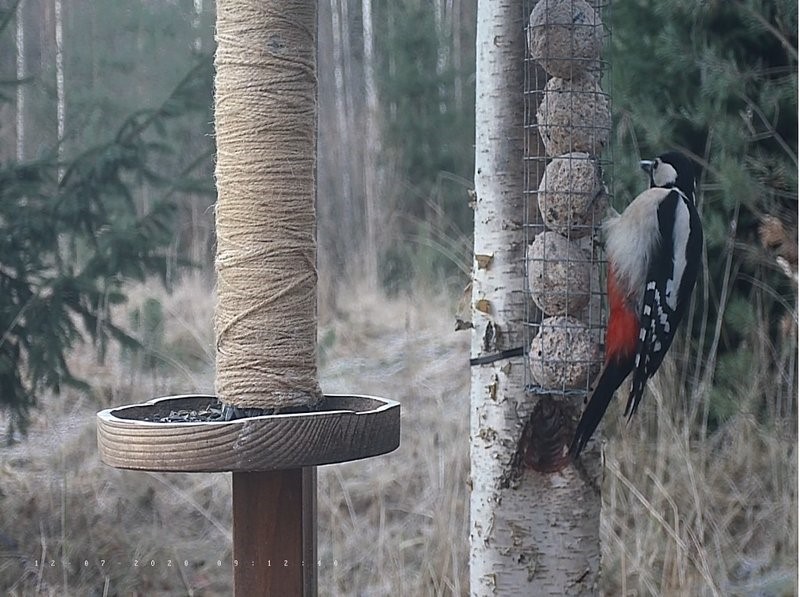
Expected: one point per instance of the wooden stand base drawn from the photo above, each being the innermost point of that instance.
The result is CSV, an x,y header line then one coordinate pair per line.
x,y
341,428
273,459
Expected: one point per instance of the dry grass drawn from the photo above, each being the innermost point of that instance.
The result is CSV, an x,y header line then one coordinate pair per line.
x,y
688,517
398,524
681,517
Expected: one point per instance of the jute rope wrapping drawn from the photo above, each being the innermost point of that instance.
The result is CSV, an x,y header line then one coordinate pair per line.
x,y
265,111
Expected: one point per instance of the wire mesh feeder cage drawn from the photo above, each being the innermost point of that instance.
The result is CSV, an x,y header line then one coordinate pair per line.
x,y
567,156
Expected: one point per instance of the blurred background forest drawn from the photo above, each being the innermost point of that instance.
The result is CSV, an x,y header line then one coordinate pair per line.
x,y
106,291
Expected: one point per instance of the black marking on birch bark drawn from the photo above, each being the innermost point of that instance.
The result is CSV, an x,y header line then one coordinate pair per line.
x,y
489,338
462,324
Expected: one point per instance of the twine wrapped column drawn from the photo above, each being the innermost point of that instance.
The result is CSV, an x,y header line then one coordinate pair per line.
x,y
265,105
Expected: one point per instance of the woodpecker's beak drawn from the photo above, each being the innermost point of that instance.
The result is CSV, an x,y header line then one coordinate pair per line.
x,y
647,166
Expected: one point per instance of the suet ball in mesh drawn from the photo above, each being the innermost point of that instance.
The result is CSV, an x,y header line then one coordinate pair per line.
x,y
558,274
563,354
571,195
574,115
565,37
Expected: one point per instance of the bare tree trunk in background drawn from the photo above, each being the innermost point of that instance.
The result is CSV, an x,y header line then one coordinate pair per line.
x,y
21,73
326,189
458,83
531,533
392,66
442,18
372,191
353,157
95,45
45,22
347,219
197,46
347,72
60,99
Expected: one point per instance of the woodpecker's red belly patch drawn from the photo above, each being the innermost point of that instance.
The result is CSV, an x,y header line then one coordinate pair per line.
x,y
623,324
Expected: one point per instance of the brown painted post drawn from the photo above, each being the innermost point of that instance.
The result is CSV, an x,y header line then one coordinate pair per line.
x,y
274,527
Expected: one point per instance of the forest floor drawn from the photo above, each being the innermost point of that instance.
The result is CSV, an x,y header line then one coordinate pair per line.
x,y
678,518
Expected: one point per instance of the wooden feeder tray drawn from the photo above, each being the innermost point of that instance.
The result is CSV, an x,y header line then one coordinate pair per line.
x,y
339,429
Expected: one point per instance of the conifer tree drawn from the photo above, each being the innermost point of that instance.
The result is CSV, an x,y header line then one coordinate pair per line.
x,y
67,248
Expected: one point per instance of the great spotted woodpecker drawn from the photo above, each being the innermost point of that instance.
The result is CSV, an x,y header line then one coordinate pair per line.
x,y
654,249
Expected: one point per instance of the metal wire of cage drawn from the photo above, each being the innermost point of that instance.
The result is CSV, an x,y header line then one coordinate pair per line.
x,y
567,169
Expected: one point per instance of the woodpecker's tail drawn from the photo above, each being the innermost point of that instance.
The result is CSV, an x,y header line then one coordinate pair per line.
x,y
612,376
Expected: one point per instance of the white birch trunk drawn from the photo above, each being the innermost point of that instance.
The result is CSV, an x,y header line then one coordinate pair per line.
x,y
497,388
372,215
60,99
21,73
531,533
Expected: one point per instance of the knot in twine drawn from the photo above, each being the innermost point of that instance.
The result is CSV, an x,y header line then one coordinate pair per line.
x,y
265,110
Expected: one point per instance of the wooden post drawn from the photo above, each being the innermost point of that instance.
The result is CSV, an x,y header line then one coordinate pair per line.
x,y
274,527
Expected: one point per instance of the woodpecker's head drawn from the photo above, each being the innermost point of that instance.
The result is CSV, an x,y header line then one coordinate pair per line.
x,y
671,170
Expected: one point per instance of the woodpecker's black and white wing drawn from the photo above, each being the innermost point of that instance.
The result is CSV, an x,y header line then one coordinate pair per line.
x,y
671,276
